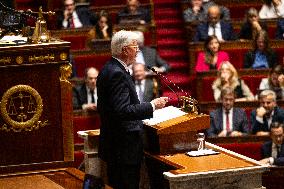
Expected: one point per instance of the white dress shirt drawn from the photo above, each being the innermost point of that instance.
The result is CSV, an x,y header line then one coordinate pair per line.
x,y
76,21
218,32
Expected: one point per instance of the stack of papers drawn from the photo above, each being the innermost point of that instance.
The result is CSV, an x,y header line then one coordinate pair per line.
x,y
204,152
164,114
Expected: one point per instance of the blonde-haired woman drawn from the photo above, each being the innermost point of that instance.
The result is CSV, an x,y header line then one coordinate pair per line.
x,y
228,77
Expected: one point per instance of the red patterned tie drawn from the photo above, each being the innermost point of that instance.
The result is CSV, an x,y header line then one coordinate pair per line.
x,y
72,25
227,122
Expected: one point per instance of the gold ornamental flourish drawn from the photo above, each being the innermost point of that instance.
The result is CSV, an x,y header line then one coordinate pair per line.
x,y
22,124
42,58
19,59
5,60
63,56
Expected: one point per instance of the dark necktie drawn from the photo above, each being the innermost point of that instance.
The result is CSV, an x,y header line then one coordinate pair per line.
x,y
214,30
71,22
278,147
92,96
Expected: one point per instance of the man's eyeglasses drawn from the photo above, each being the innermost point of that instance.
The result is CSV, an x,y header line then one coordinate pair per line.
x,y
136,47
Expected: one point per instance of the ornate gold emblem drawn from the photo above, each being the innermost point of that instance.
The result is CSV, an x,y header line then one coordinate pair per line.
x,y
65,72
63,56
19,59
21,107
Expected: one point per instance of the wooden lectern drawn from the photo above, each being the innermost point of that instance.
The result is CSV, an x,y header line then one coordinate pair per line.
x,y
170,167
36,133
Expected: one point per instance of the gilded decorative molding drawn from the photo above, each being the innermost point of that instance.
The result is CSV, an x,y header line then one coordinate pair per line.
x,y
63,56
65,71
21,108
19,59
42,58
5,60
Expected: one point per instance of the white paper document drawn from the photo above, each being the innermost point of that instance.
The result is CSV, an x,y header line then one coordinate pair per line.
x,y
164,114
204,152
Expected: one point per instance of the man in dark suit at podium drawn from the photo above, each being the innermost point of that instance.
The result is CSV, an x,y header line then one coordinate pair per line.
x,y
120,142
273,151
228,120
85,95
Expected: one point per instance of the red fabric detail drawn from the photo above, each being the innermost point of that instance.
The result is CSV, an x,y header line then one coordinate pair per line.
x,y
251,149
78,158
238,12
77,42
253,82
227,122
206,90
84,61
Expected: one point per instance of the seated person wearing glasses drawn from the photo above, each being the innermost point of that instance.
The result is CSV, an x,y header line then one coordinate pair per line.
x,y
228,120
85,95
75,17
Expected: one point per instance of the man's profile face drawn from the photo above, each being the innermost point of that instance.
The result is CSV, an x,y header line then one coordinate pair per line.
x,y
213,15
130,51
91,79
228,101
132,6
276,135
268,103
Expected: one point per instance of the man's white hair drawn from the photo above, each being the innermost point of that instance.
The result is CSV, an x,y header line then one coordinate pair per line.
x,y
268,92
121,39
140,39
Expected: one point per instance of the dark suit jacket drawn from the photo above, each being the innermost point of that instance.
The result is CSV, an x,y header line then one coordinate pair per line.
x,y
240,122
86,17
152,58
257,126
144,14
266,151
271,57
121,114
80,96
246,30
201,33
280,29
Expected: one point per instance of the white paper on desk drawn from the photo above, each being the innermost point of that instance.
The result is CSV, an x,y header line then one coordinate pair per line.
x,y
164,114
204,152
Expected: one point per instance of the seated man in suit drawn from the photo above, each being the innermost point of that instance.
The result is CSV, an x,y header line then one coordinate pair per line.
x,y
85,95
75,17
149,56
267,113
145,87
214,26
272,151
228,120
280,29
133,13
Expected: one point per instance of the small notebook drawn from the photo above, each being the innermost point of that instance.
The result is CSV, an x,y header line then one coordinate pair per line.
x,y
204,152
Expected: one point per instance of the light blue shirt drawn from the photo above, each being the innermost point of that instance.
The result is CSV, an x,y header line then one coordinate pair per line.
x,y
260,60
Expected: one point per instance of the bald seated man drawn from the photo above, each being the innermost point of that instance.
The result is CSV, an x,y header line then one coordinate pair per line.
x,y
85,95
133,8
214,26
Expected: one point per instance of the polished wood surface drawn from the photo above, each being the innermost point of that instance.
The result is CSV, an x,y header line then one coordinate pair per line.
x,y
186,164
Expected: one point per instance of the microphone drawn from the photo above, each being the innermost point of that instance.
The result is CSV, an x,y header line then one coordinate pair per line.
x,y
163,79
166,81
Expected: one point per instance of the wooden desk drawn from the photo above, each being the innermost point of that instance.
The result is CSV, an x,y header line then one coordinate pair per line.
x,y
225,170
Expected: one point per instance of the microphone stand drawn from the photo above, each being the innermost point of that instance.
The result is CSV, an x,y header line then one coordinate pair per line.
x,y
189,103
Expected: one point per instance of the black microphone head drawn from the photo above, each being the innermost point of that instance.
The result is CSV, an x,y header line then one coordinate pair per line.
x,y
148,67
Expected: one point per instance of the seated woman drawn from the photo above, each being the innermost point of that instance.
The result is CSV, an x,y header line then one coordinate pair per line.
x,y
211,57
103,28
251,26
272,82
261,56
272,9
228,77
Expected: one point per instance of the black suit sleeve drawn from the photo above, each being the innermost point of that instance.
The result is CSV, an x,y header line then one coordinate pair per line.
x,y
77,104
212,131
122,107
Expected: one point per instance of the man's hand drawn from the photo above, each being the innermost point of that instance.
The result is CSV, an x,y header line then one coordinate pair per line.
x,y
264,161
89,107
236,133
67,15
160,102
256,25
260,112
262,133
222,133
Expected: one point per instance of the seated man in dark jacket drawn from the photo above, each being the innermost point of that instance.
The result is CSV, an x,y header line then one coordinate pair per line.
x,y
272,151
280,29
133,13
267,113
214,26
228,120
